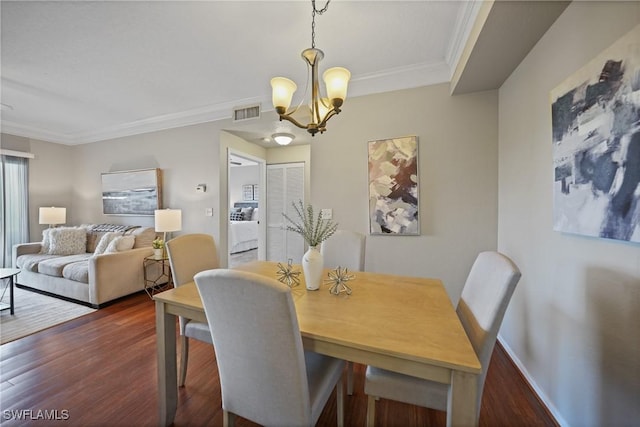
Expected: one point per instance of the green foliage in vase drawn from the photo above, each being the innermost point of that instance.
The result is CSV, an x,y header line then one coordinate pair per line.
x,y
158,243
313,228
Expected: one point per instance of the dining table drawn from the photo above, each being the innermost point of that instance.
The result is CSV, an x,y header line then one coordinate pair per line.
x,y
400,323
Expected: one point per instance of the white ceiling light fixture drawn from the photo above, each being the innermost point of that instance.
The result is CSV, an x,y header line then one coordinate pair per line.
x,y
283,138
322,109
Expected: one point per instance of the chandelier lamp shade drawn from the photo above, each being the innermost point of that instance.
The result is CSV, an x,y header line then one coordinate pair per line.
x,y
321,109
52,216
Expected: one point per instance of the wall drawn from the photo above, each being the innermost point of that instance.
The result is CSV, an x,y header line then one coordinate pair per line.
x,y
573,321
50,178
239,176
458,141
187,156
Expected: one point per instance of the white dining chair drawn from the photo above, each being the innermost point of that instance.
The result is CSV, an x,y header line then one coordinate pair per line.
x,y
484,300
190,254
265,374
345,249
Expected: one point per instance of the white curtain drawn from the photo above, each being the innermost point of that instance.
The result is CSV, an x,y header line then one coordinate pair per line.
x,y
14,199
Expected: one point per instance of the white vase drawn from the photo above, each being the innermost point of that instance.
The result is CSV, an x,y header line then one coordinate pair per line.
x,y
157,253
312,265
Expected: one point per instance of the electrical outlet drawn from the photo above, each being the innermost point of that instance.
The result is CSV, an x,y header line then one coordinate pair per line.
x,y
208,212
327,213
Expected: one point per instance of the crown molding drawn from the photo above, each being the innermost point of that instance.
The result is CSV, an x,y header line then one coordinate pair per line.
x,y
464,23
387,80
33,132
398,78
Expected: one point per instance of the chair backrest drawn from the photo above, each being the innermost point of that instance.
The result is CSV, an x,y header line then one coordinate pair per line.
x,y
484,300
258,347
345,249
190,254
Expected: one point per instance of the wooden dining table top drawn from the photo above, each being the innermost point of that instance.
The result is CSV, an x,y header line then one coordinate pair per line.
x,y
409,320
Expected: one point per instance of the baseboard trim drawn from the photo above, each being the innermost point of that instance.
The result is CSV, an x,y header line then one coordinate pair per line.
x,y
75,301
542,397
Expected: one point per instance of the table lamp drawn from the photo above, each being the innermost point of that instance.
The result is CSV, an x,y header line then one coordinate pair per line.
x,y
168,220
52,216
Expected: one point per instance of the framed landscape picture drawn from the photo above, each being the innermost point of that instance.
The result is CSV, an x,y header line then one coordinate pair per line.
x,y
393,186
596,145
137,192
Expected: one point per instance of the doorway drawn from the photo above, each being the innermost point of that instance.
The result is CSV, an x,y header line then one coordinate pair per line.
x,y
245,227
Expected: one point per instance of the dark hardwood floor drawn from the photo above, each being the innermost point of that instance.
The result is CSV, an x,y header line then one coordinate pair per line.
x,y
100,370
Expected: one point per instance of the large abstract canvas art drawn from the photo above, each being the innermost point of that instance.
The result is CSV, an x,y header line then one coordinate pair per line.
x,y
393,186
596,145
137,192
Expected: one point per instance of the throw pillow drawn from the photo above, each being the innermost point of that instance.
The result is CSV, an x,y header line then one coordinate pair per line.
x,y
236,216
104,242
246,213
67,241
121,243
44,246
143,237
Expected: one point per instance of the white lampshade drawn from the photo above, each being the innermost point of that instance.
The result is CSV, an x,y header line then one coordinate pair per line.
x,y
168,220
52,215
282,91
283,138
336,79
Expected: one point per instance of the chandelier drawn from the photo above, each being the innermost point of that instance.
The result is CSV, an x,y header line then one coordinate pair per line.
x,y
320,109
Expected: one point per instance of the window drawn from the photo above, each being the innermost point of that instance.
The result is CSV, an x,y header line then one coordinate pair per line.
x,y
14,199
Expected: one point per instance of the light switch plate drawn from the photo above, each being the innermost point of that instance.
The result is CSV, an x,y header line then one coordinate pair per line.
x,y
327,213
208,211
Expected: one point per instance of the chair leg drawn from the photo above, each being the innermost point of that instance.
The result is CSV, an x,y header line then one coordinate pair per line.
x,y
340,402
350,378
184,358
371,410
228,419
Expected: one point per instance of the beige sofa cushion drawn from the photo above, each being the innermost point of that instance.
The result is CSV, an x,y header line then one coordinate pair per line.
x,y
77,271
54,266
30,262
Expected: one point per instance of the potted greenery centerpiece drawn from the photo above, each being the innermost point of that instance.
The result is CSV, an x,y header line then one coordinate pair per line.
x,y
314,230
158,248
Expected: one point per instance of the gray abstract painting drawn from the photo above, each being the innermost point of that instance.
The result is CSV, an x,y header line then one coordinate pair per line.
x,y
596,145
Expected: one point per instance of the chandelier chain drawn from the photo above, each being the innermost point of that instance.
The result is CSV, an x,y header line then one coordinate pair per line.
x,y
313,20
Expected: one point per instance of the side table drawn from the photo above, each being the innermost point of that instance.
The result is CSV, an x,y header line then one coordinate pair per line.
x,y
8,273
157,275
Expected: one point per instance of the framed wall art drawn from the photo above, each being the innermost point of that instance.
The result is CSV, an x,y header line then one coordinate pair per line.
x,y
136,192
596,145
393,186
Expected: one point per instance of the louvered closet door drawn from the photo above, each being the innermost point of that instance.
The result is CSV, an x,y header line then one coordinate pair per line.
x,y
285,184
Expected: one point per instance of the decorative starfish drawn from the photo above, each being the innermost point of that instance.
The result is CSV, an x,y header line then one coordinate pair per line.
x,y
339,278
287,276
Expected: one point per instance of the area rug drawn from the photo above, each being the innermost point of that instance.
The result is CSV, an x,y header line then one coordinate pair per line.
x,y
35,312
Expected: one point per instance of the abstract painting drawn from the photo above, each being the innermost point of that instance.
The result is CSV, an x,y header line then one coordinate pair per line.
x,y
136,192
596,145
393,186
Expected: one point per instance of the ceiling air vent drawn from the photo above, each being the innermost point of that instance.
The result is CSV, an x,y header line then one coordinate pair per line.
x,y
246,113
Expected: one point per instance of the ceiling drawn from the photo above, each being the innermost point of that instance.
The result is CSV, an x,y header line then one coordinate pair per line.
x,y
76,72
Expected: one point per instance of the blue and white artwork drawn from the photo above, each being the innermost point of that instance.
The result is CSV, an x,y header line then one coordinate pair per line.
x,y
136,192
596,145
393,186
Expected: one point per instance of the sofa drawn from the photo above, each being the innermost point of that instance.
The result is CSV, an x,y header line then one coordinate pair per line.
x,y
90,264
